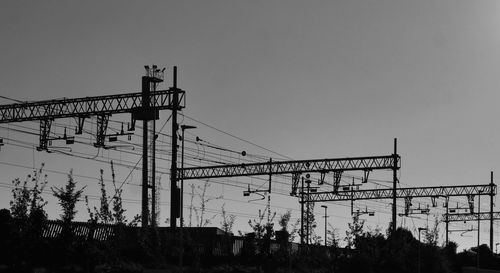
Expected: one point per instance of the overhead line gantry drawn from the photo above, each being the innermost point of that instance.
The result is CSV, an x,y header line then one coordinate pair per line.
x,y
433,192
298,167
143,106
464,217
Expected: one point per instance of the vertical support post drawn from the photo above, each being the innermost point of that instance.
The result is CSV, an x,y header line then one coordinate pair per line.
x,y
394,184
153,167
307,214
418,268
352,197
45,125
302,212
491,210
174,206
478,227
145,184
181,204
181,201
447,228
447,221
326,218
270,173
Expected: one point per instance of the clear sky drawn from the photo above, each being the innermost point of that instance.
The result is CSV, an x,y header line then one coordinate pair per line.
x,y
307,79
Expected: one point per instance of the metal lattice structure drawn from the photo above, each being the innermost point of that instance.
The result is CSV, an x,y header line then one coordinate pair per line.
x,y
464,217
290,167
296,168
99,105
143,106
441,191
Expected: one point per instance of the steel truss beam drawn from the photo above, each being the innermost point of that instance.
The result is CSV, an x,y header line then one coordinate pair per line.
x,y
100,105
290,167
463,217
403,193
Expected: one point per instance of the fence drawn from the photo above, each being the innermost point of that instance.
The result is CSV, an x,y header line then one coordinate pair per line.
x,y
209,241
85,230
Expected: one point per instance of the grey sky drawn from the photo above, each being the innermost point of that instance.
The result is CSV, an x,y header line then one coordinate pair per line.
x,y
309,79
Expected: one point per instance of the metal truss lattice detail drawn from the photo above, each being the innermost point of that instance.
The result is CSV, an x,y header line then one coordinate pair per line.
x,y
291,167
463,217
402,193
100,105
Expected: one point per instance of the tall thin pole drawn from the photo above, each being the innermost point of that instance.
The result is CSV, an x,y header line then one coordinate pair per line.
x,y
302,212
418,270
307,214
153,168
182,183
491,210
174,205
419,243
478,227
447,222
352,197
181,201
394,184
326,219
145,184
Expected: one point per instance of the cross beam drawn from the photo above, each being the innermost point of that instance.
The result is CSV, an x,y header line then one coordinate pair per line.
x,y
143,106
290,167
403,193
463,217
99,105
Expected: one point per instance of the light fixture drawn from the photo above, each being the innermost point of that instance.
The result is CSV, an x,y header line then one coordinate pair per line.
x,y
184,127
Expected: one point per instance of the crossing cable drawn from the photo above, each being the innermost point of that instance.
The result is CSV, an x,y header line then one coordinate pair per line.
x,y
239,138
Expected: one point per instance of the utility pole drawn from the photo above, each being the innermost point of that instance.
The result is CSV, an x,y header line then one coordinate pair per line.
x,y
302,212
491,211
181,199
419,243
145,184
183,128
326,217
478,228
447,222
352,199
148,113
308,213
174,191
394,184
153,185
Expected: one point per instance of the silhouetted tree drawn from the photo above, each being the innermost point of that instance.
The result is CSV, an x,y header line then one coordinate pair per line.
x,y
432,234
204,200
28,218
227,220
28,200
355,230
105,214
68,197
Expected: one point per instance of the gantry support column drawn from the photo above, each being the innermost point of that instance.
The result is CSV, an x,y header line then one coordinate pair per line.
x,y
174,199
145,183
394,184
491,211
